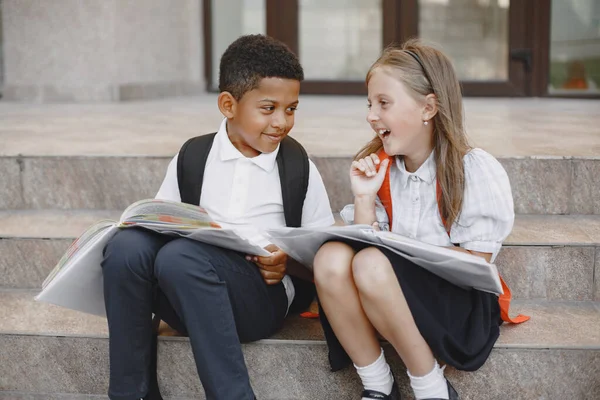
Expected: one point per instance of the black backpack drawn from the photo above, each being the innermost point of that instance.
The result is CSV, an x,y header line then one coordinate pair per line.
x,y
293,165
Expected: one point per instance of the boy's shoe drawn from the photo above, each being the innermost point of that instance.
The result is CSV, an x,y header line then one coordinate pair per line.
x,y
154,395
452,394
375,395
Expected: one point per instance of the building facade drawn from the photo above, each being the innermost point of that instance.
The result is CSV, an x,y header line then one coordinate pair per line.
x,y
114,50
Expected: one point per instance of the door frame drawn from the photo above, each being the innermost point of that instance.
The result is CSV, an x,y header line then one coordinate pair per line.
x,y
529,46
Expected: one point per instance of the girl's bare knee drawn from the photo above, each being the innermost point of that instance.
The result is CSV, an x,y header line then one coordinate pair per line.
x,y
371,270
332,263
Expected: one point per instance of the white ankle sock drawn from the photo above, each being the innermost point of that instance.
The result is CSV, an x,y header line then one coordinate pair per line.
x,y
432,385
376,376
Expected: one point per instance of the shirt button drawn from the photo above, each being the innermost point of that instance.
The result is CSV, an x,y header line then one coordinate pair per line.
x,y
414,178
416,199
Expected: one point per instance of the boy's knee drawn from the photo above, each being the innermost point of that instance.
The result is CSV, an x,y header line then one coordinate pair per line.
x,y
129,250
181,258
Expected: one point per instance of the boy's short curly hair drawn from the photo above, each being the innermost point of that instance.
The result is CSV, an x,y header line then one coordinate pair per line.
x,y
251,58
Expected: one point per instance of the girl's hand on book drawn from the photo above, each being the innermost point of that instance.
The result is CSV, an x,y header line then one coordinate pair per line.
x,y
273,267
367,175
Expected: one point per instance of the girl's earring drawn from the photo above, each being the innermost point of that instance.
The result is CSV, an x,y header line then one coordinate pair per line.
x,y
425,123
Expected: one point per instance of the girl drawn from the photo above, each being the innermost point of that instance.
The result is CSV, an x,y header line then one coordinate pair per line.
x,y
419,177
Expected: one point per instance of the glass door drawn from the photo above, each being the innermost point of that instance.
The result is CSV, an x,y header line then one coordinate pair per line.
x,y
485,40
337,40
489,41
574,68
225,21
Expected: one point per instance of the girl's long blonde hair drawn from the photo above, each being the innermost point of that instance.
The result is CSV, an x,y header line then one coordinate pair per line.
x,y
450,141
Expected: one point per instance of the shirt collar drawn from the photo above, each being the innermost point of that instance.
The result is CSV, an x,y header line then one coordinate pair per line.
x,y
228,152
426,171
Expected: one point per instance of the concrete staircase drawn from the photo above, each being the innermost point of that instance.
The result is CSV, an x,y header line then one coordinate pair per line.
x,y
64,167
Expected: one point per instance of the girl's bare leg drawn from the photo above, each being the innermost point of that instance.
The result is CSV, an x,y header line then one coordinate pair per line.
x,y
385,307
340,299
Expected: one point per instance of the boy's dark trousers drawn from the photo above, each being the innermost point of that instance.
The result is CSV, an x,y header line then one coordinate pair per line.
x,y
212,295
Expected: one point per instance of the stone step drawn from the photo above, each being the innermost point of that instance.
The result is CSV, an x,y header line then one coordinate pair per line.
x,y
545,257
7,395
51,350
106,156
540,185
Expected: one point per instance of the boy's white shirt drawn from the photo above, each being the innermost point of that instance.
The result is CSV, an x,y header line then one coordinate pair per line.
x,y
246,192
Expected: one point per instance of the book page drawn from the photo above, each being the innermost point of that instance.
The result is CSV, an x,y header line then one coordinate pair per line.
x,y
232,239
435,253
464,270
78,285
79,246
167,212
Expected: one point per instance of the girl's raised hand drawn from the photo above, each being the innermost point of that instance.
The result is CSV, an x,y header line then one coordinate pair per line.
x,y
367,175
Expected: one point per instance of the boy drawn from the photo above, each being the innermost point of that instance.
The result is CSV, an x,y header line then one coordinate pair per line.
x,y
219,297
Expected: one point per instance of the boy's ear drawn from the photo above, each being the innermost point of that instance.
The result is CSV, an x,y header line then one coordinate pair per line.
x,y
227,104
431,108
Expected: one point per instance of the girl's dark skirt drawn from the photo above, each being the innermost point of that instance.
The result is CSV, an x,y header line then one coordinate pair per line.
x,y
460,325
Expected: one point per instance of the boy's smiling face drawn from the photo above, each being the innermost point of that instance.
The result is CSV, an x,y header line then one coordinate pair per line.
x,y
259,121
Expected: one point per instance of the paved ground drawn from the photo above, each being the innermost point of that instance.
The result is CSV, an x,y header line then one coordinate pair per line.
x,y
327,125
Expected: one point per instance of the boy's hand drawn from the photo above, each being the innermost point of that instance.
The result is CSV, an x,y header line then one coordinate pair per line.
x,y
273,267
367,175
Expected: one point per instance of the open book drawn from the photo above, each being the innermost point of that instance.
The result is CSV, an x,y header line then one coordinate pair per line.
x,y
76,281
461,269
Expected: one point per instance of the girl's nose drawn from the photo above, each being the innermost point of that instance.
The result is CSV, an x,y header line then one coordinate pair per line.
x,y
372,116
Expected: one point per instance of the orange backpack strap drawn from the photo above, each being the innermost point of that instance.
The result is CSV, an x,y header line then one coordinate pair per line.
x,y
504,298
504,302
384,193
309,315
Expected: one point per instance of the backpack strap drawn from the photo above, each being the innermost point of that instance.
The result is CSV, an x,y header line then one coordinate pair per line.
x,y
294,170
384,193
191,163
385,196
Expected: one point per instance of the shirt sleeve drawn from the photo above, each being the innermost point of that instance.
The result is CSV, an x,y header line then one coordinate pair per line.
x,y
487,215
347,215
169,190
316,212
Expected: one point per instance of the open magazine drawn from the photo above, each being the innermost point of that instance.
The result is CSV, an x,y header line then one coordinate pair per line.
x,y
461,269
76,282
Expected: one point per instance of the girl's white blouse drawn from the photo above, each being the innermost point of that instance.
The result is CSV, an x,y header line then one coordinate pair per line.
x,y
487,214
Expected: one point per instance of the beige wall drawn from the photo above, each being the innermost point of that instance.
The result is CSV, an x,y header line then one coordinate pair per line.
x,y
101,50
